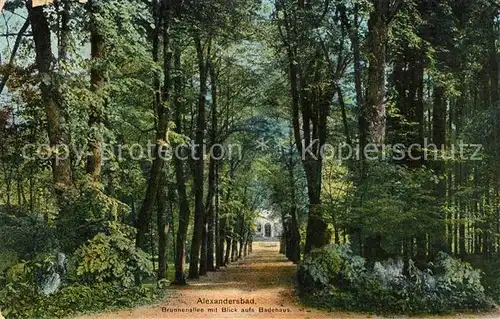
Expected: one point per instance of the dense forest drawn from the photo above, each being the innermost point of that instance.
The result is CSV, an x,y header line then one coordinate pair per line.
x,y
140,139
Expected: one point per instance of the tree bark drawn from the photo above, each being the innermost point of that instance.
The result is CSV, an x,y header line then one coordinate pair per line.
x,y
199,214
212,182
372,128
184,211
162,114
97,83
161,206
51,97
438,236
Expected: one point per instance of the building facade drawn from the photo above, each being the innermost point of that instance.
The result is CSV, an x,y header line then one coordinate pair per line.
x,y
268,227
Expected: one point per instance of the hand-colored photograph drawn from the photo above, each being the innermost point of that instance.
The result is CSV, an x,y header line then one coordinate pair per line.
x,y
299,159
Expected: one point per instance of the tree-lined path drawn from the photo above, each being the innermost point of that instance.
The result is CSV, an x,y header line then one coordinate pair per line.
x,y
265,276
142,140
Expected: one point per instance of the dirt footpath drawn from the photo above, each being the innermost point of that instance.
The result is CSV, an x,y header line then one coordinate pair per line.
x,y
261,286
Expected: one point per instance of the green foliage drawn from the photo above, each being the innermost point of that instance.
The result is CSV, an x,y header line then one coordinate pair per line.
x,y
111,257
459,284
7,260
395,203
25,234
334,278
491,279
21,300
85,213
320,268
105,268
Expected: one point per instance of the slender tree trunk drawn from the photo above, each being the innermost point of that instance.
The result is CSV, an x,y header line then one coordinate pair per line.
x,y
212,182
309,124
199,214
184,211
144,216
294,253
229,245
204,247
438,236
219,237
161,206
234,249
97,83
51,98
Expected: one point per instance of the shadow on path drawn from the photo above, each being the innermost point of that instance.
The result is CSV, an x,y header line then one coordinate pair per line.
x,y
265,278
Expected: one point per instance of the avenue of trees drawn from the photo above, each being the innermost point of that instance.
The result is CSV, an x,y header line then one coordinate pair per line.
x,y
105,107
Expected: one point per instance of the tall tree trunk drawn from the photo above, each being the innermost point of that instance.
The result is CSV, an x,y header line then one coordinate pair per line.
x,y
204,246
438,236
373,112
317,234
97,83
372,128
294,253
184,211
144,216
212,182
234,248
199,214
161,206
219,239
229,245
308,118
51,97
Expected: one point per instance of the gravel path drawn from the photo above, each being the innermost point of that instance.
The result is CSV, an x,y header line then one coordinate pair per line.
x,y
261,286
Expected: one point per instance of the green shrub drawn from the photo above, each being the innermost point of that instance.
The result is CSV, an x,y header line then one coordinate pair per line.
x,y
8,258
22,301
111,257
101,278
491,279
333,278
84,213
459,283
320,268
25,234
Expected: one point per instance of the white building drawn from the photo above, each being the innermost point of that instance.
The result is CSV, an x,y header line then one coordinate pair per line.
x,y
268,227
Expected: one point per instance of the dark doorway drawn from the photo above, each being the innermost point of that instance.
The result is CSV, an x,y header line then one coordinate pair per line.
x,y
267,230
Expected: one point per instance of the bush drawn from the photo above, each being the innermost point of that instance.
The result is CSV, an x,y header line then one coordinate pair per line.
x,y
111,257
100,277
22,301
25,234
491,279
459,284
333,278
85,213
320,268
